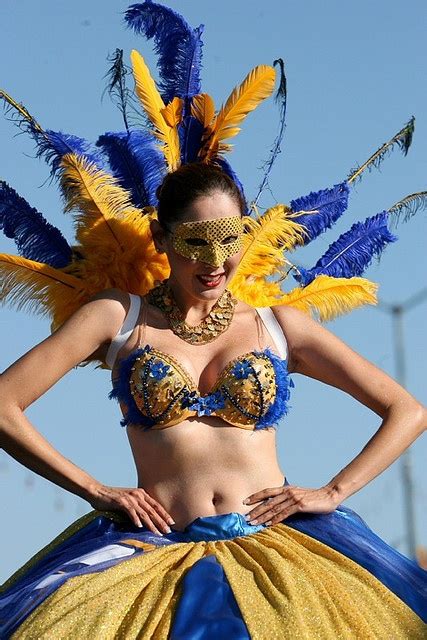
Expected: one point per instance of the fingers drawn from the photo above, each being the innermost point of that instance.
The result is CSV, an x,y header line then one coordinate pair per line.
x,y
152,519
290,500
262,495
152,513
160,510
267,506
143,510
274,509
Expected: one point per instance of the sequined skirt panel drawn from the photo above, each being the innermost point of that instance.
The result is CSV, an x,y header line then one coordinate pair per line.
x,y
313,576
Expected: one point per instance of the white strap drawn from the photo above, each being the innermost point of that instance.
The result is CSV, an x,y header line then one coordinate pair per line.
x,y
273,327
125,330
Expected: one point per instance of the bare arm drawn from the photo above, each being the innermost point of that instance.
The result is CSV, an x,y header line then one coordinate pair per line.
x,y
36,372
318,353
89,330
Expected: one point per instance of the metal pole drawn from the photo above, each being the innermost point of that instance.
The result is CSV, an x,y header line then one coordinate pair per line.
x,y
397,311
406,457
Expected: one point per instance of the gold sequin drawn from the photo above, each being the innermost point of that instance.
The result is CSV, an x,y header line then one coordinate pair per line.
x,y
288,586
209,240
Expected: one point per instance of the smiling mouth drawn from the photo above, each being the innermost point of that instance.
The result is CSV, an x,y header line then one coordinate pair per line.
x,y
211,280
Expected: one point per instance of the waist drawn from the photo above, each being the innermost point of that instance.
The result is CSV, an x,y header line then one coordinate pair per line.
x,y
189,498
216,527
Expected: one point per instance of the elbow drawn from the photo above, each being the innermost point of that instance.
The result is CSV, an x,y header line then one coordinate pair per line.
x,y
411,413
421,418
415,414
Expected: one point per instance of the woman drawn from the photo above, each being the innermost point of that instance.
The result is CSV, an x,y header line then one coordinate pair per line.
x,y
214,542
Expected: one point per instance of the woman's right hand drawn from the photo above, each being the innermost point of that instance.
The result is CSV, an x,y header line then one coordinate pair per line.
x,y
141,508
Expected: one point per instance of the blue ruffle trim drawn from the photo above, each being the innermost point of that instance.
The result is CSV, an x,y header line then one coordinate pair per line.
x,y
121,391
284,383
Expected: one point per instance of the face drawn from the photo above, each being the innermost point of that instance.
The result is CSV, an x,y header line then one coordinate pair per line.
x,y
209,241
204,248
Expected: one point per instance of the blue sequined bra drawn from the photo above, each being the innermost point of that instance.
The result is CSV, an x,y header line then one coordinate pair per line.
x,y
251,392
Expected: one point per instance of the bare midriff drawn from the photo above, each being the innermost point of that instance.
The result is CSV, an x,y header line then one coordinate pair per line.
x,y
204,467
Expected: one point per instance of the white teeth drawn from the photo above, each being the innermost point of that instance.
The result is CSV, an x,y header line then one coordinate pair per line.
x,y
211,281
210,278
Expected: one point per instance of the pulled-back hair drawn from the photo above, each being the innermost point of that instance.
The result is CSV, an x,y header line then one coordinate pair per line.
x,y
180,188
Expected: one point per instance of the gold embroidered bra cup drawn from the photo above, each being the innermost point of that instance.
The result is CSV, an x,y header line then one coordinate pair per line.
x,y
251,392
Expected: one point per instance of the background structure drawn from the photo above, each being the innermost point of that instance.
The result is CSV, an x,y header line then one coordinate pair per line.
x,y
355,75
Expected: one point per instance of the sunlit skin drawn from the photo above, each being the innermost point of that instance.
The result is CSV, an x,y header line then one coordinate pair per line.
x,y
204,466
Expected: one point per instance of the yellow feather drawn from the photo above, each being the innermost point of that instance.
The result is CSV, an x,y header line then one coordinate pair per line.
x,y
115,247
327,297
258,85
109,255
147,91
203,108
136,270
224,147
172,113
266,239
38,287
114,237
153,105
100,204
256,292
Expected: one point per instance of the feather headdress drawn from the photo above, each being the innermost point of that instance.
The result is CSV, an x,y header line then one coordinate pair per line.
x,y
110,189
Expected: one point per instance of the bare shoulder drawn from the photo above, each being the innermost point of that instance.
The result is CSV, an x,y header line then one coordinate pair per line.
x,y
83,336
102,316
113,304
298,328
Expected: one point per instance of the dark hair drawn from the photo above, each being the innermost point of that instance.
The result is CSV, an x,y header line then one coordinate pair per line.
x,y
180,188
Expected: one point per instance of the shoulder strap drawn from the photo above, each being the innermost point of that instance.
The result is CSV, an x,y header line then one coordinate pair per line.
x,y
125,330
273,327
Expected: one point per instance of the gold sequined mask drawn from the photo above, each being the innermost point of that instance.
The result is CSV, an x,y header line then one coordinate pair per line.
x,y
210,241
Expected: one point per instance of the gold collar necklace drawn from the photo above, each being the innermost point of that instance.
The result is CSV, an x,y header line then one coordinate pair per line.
x,y
216,322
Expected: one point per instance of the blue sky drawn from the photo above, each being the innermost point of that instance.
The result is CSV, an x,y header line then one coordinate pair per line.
x,y
356,74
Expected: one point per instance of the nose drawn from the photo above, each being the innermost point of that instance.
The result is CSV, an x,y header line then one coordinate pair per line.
x,y
214,256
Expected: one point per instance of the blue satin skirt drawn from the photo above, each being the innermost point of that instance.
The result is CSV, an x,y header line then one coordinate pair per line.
x,y
311,576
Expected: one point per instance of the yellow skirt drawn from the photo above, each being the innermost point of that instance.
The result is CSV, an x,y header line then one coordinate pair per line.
x,y
317,576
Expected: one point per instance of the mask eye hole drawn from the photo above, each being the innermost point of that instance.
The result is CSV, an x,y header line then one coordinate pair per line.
x,y
229,240
196,242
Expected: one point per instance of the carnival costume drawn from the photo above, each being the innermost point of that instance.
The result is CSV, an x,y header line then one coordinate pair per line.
x,y
311,576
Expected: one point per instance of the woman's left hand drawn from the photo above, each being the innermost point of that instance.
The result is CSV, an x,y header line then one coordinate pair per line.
x,y
278,503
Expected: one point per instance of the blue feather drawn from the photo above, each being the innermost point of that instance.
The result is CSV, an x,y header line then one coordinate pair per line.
x,y
281,95
190,133
178,46
136,162
54,145
328,204
284,382
35,238
353,251
122,393
226,167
